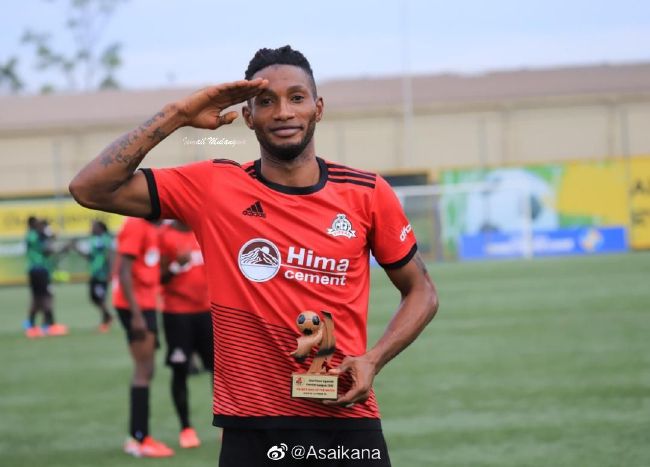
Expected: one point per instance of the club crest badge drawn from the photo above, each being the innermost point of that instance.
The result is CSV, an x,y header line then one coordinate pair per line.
x,y
341,227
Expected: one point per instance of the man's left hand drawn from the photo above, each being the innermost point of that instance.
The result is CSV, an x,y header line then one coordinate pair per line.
x,y
362,370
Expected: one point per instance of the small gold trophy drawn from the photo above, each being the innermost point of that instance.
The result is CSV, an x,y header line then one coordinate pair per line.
x,y
315,383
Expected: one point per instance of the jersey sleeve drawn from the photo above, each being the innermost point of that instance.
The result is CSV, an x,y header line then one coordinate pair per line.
x,y
177,193
392,240
129,240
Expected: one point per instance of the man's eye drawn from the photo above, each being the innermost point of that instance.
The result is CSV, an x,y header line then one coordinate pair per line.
x,y
298,98
265,101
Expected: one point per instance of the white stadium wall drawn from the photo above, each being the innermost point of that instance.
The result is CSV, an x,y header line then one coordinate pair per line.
x,y
45,140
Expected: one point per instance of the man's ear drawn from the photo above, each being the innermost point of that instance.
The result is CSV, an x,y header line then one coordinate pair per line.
x,y
320,106
248,118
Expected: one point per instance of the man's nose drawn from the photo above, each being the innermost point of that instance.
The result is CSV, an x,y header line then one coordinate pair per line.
x,y
284,110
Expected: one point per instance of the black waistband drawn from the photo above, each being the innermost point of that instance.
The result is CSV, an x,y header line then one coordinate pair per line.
x,y
304,423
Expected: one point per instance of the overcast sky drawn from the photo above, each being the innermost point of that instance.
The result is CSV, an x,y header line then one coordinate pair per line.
x,y
196,42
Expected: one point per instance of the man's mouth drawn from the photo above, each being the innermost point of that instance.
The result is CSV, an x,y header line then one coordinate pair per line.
x,y
286,131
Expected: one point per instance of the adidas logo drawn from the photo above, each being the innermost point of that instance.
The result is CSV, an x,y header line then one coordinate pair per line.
x,y
255,210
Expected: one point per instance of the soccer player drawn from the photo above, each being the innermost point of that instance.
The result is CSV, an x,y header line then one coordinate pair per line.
x,y
135,293
288,232
186,316
40,252
99,260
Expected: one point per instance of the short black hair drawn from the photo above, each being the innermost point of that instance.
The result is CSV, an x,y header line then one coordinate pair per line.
x,y
281,56
102,226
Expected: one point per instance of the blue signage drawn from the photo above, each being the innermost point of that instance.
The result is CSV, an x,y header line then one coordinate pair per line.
x,y
560,242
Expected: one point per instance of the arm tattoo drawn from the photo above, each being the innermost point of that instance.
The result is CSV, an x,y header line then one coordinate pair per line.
x,y
116,152
136,159
420,264
152,120
157,136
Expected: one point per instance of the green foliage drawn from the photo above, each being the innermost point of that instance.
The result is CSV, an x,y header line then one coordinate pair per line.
x,y
89,65
9,78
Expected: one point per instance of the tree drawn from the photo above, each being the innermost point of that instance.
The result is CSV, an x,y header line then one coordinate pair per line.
x,y
88,66
9,78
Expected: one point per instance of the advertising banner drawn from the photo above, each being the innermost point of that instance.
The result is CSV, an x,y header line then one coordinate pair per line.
x,y
561,242
549,197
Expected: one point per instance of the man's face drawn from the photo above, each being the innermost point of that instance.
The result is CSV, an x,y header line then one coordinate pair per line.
x,y
284,115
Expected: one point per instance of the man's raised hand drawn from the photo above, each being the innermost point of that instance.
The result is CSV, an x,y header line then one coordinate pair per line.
x,y
108,182
203,108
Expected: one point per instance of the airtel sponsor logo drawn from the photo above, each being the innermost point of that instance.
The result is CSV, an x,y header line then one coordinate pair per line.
x,y
405,231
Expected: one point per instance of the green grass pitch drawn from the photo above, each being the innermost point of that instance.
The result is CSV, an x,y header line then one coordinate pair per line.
x,y
528,363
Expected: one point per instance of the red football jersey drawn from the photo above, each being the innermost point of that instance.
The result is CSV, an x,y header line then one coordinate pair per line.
x,y
187,290
138,238
273,251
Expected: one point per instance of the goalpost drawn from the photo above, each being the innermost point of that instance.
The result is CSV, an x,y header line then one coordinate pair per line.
x,y
449,220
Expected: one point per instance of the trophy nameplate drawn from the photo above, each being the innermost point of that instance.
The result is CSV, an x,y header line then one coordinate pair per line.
x,y
316,332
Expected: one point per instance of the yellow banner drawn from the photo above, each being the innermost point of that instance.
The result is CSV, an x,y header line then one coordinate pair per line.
x,y
66,217
614,192
594,190
639,194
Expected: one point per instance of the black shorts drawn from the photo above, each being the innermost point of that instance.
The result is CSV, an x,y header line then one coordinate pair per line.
x,y
149,317
98,290
39,282
318,448
187,333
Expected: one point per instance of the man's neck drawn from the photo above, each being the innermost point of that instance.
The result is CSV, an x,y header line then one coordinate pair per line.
x,y
302,171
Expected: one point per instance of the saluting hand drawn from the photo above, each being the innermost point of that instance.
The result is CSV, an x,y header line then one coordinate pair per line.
x,y
203,108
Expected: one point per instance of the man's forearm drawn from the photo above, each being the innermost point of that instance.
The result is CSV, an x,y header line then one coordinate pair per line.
x,y
97,182
109,182
416,310
418,307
